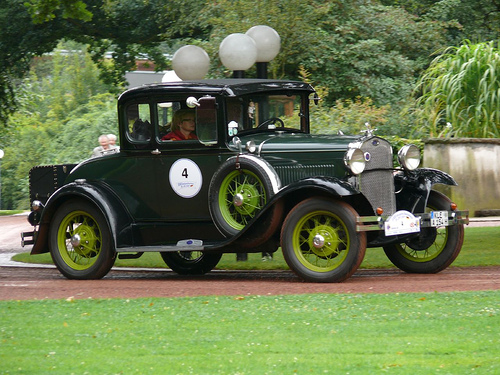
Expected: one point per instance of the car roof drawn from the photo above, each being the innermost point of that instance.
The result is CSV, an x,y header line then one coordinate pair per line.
x,y
227,87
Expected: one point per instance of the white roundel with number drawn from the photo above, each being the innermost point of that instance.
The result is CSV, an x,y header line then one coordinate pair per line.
x,y
185,178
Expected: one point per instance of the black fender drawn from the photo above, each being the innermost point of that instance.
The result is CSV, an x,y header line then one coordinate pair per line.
x,y
297,191
117,216
324,186
413,187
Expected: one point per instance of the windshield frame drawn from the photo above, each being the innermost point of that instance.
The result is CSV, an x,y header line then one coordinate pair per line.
x,y
245,113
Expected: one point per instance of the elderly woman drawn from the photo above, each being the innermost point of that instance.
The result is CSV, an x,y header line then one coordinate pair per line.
x,y
183,126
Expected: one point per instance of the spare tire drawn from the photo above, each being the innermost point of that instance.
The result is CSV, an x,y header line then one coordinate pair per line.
x,y
239,189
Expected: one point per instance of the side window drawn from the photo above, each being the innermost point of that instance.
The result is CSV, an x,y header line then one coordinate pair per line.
x,y
139,122
165,112
236,120
176,123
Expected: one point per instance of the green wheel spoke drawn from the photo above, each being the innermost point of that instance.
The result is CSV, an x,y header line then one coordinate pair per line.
x,y
83,226
248,189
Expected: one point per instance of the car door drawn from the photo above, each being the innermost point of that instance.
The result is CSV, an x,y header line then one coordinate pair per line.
x,y
185,168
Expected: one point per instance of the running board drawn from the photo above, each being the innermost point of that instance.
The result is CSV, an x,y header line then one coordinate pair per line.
x,y
183,245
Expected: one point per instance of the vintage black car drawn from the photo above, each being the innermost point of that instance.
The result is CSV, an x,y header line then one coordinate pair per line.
x,y
251,178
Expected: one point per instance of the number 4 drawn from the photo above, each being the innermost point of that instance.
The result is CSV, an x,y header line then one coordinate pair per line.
x,y
185,173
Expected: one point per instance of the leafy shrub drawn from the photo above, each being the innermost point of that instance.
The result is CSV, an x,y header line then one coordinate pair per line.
x,y
460,92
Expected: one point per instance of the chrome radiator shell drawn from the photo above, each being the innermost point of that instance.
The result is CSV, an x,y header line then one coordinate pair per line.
x,y
377,180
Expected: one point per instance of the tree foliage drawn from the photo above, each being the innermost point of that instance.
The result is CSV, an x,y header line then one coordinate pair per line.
x,y
128,28
363,56
64,107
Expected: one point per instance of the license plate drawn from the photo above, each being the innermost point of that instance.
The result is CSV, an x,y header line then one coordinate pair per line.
x,y
439,218
402,222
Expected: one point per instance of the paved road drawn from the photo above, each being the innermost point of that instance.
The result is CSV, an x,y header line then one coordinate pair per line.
x,y
23,283
18,281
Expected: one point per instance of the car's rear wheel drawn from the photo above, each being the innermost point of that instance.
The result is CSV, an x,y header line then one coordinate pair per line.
x,y
80,242
434,249
320,242
191,262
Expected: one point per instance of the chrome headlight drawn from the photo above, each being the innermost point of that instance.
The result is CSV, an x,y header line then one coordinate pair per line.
x,y
354,160
409,157
250,147
36,205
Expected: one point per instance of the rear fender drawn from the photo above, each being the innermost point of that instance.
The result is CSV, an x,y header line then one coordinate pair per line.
x,y
117,217
413,188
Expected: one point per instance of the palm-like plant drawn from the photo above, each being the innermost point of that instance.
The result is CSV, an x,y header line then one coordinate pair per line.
x,y
460,92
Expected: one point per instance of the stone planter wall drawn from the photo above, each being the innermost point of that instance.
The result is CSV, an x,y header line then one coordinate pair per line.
x,y
474,163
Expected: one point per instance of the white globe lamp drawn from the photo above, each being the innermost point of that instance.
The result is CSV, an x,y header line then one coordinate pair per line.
x,y
268,44
190,62
238,52
267,40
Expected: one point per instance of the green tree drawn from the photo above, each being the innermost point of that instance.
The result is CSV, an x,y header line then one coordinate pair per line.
x,y
477,20
460,92
63,109
125,27
372,51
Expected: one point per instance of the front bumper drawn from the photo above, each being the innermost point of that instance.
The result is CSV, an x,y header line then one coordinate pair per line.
x,y
377,223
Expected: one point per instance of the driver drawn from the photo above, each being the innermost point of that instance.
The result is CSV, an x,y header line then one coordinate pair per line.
x,y
183,126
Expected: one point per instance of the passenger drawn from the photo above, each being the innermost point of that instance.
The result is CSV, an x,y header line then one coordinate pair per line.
x,y
112,142
183,126
103,148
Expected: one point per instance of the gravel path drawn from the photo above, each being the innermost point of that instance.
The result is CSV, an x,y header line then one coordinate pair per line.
x,y
21,282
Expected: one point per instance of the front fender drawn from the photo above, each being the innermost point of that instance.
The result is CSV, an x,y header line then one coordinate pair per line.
x,y
329,185
292,194
413,187
434,176
117,217
324,186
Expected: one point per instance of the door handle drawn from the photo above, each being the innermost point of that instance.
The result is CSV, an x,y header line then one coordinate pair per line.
x,y
156,152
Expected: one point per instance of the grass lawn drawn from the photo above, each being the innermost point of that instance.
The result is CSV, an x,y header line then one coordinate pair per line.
x,y
448,333
409,333
481,248
10,212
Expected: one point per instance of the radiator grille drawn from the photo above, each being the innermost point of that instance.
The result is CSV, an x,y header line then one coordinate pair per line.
x,y
377,182
291,173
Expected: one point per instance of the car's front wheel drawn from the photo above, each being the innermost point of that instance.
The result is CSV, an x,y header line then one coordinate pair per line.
x,y
191,262
434,249
80,242
320,242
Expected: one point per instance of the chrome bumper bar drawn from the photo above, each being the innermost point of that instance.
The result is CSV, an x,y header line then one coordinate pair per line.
x,y
371,223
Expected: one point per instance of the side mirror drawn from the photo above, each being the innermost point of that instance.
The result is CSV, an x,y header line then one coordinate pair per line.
x,y
316,98
206,120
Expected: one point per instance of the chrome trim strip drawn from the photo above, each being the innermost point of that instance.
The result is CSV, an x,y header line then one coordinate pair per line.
x,y
160,249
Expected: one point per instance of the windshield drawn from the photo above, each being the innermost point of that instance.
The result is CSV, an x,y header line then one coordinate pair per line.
x,y
265,112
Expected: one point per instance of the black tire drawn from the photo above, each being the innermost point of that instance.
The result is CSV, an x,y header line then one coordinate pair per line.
x,y
191,262
434,249
80,241
237,195
320,242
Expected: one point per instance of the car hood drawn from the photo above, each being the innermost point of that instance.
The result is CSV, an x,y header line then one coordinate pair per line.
x,y
280,141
